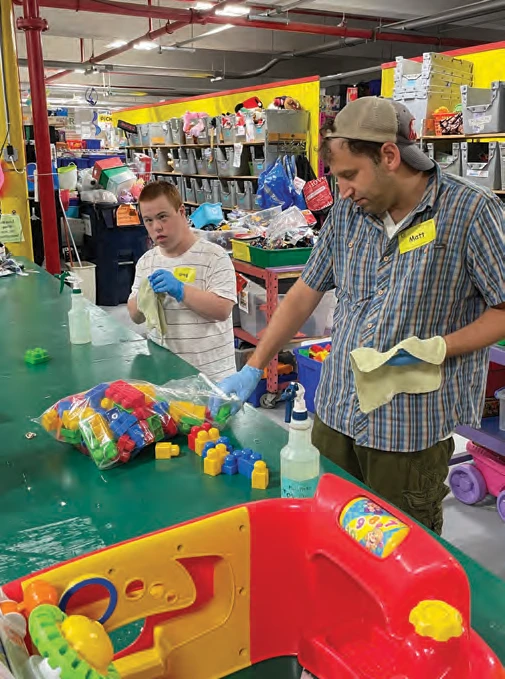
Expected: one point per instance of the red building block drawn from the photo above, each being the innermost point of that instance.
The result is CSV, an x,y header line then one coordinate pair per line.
x,y
169,426
192,437
125,446
146,431
125,395
142,412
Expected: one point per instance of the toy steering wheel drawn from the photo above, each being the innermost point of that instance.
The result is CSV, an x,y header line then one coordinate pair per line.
x,y
78,646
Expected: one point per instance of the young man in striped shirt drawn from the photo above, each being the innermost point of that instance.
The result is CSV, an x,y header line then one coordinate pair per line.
x,y
199,326
451,286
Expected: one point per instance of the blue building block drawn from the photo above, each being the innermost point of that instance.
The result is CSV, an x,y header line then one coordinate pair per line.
x,y
230,465
206,448
160,407
96,394
225,440
137,435
62,406
246,462
119,422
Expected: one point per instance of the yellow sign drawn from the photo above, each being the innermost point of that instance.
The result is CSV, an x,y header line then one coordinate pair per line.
x,y
11,229
104,119
416,236
185,274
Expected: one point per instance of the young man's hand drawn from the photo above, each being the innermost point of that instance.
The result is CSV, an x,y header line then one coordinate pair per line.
x,y
402,358
165,281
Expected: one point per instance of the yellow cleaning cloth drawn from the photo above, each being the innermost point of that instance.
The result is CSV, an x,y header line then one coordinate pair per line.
x,y
378,383
149,303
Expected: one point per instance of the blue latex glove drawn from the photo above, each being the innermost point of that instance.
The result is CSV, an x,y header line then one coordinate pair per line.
x,y
165,281
403,358
242,384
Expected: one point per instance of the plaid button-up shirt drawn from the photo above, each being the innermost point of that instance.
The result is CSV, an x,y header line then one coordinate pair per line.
x,y
384,296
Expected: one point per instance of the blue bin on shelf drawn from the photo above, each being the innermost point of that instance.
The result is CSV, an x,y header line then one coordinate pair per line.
x,y
309,374
254,398
207,213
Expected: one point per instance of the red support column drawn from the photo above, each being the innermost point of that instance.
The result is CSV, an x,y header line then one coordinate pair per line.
x,y
33,25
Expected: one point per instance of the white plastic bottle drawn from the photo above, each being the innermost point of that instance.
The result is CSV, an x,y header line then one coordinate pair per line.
x,y
79,323
299,458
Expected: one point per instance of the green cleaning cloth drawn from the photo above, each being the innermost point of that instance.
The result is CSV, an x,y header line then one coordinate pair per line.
x,y
378,383
149,303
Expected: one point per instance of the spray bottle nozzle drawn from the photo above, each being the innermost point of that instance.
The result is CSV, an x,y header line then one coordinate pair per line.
x,y
293,394
62,278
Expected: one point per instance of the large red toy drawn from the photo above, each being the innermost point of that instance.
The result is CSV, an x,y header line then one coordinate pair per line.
x,y
344,581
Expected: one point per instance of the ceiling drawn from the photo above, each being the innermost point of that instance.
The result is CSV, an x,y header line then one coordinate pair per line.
x,y
235,50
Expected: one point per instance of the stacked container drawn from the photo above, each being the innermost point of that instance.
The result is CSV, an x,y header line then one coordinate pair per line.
x,y
484,173
205,161
177,129
188,161
449,162
484,109
228,192
425,86
225,162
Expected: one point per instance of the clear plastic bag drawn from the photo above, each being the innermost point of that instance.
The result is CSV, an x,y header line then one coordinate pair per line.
x,y
114,421
287,229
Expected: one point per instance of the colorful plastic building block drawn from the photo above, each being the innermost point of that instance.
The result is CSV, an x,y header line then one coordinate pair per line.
x,y
184,409
246,462
50,420
100,428
125,446
169,425
214,434
192,436
107,403
147,432
136,433
226,441
156,427
201,439
223,414
146,389
165,451
160,407
96,395
36,356
207,447
64,404
230,465
260,475
125,395
70,436
119,421
222,451
212,464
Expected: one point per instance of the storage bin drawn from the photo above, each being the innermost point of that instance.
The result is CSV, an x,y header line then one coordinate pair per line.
x,y
160,160
189,189
222,238
199,191
208,213
423,103
157,134
188,161
169,138
225,162
177,128
258,160
483,173
287,123
502,165
181,187
254,321
121,180
242,356
205,161
283,381
143,131
309,375
255,131
244,194
227,127
204,136
92,144
269,258
447,155
483,108
176,156
67,177
228,193
435,70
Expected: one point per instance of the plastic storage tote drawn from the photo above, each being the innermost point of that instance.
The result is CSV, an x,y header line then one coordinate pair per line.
x,y
205,161
208,213
225,162
228,192
169,139
181,187
176,155
229,130
309,375
435,70
143,131
254,321
177,128
447,156
483,109
188,161
204,136
502,165
189,189
199,191
156,134
258,160
245,196
486,173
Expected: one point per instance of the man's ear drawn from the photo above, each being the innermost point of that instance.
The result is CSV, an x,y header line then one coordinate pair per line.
x,y
391,156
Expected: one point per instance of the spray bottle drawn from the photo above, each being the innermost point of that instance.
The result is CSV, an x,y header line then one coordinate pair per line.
x,y
79,323
299,458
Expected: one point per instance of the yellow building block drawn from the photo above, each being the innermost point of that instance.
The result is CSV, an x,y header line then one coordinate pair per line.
x,y
107,403
180,409
50,420
222,451
212,463
260,476
214,434
70,419
100,428
146,389
201,439
165,451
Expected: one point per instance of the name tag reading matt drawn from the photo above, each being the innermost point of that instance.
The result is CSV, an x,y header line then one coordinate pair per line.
x,y
416,236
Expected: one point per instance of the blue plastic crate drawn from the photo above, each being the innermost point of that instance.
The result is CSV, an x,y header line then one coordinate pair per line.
x,y
254,398
207,213
309,374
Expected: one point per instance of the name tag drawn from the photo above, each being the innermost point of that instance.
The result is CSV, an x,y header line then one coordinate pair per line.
x,y
185,274
416,236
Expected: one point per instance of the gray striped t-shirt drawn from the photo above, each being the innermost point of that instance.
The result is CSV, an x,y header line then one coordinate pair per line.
x,y
207,345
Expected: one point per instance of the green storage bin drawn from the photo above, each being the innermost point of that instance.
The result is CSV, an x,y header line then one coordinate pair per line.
x,y
267,259
107,174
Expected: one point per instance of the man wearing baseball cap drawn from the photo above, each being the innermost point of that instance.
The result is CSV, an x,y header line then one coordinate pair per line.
x,y
410,252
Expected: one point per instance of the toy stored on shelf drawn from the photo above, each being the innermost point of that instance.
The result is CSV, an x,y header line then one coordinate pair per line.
x,y
306,578
113,421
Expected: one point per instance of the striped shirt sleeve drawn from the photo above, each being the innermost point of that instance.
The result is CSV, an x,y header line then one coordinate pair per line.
x,y
140,274
318,272
221,279
486,252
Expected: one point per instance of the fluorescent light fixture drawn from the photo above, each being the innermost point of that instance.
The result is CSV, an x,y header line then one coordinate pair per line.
x,y
203,5
216,79
145,45
79,70
116,43
233,11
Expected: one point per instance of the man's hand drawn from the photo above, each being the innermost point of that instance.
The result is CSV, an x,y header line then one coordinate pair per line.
x,y
402,358
242,384
165,281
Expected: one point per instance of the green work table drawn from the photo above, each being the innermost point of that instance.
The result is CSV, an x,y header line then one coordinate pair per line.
x,y
56,504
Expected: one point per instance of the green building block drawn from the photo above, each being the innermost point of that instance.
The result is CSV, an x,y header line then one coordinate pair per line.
x,y
187,422
36,356
71,436
156,427
92,443
223,414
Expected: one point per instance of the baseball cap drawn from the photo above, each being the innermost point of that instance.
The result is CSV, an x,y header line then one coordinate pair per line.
x,y
381,120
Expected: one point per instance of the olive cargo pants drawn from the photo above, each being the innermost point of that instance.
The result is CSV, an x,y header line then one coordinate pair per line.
x,y
414,482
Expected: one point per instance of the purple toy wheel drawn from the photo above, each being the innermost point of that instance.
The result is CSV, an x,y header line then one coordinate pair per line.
x,y
500,504
468,484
